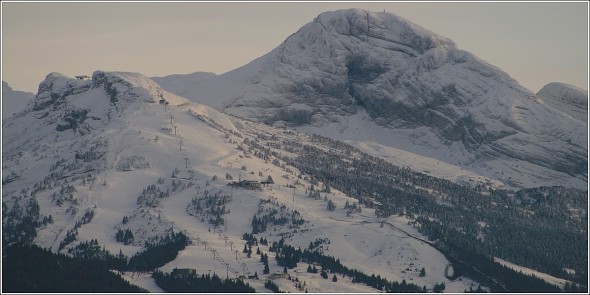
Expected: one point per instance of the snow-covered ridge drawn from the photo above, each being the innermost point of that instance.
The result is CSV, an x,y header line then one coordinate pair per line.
x,y
85,105
566,98
123,89
383,26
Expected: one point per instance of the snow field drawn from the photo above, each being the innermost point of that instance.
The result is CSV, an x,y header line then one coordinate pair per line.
x,y
388,253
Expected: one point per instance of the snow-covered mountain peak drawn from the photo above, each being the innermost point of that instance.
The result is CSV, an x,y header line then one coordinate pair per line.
x,y
381,25
419,86
69,107
130,85
120,89
349,58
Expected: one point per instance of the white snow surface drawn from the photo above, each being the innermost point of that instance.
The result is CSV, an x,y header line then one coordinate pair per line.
x,y
182,83
180,147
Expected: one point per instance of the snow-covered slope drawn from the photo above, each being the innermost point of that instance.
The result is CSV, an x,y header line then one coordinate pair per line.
x,y
119,153
13,101
77,134
566,98
418,85
182,84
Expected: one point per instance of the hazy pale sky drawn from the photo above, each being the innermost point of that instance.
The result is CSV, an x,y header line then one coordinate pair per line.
x,y
536,43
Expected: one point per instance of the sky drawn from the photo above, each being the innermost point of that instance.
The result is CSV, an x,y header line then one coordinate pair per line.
x,y
535,43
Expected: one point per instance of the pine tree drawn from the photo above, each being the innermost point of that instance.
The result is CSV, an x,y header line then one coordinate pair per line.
x,y
266,268
331,205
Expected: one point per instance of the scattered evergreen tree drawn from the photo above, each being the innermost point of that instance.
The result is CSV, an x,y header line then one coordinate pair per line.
x,y
266,268
124,236
272,286
331,205
438,288
480,290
